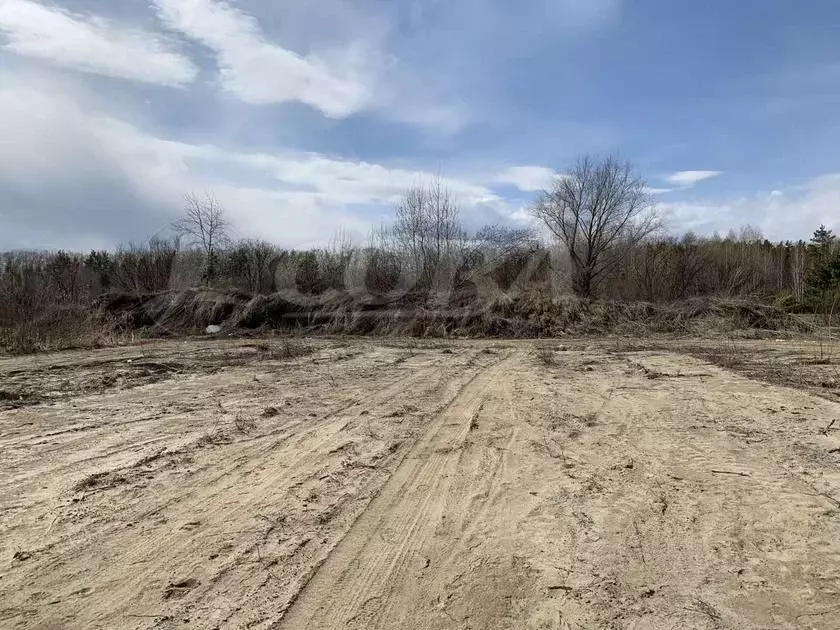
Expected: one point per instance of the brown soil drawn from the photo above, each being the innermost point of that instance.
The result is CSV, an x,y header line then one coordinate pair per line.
x,y
362,484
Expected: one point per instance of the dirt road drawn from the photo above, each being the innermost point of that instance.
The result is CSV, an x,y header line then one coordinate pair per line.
x,y
412,485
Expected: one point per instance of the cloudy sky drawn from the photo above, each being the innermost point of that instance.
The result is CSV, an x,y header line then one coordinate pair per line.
x,y
304,120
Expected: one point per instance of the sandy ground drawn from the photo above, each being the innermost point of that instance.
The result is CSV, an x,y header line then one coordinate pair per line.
x,y
222,484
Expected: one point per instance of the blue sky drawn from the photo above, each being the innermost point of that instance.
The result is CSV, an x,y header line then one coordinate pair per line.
x,y
303,120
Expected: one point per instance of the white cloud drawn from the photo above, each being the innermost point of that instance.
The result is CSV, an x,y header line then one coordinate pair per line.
x,y
407,102
352,182
527,178
91,44
778,215
657,191
344,71
64,176
336,82
72,174
689,178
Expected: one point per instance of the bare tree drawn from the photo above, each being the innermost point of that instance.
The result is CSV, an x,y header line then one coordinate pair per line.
x,y
249,264
598,211
689,262
502,255
377,268
146,267
428,231
203,226
335,260
502,239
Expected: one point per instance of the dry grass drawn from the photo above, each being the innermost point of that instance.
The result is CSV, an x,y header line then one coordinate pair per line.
x,y
283,350
803,363
64,329
244,424
214,438
119,319
545,354
529,315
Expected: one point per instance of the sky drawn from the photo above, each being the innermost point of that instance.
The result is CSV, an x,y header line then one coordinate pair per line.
x,y
305,117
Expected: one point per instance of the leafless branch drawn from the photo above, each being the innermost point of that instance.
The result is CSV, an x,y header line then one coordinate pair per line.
x,y
599,211
203,226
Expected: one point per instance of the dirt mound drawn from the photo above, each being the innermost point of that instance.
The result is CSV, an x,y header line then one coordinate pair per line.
x,y
525,316
176,311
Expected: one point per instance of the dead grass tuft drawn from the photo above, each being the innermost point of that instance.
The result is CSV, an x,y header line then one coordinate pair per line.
x,y
99,481
215,438
545,354
244,425
284,350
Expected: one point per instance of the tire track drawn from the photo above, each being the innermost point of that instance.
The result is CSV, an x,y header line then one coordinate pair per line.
x,y
228,486
270,472
353,587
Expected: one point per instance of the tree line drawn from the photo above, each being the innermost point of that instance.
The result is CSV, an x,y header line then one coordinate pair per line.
x,y
606,242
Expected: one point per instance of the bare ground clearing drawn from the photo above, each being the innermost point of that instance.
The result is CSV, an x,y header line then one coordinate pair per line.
x,y
366,484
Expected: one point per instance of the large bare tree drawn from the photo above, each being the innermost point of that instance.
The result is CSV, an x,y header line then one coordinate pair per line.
x,y
598,210
204,227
